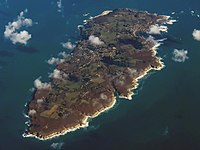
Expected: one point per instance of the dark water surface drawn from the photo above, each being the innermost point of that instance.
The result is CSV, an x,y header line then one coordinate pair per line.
x,y
164,114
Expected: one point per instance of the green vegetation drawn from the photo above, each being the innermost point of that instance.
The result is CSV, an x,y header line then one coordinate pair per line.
x,y
51,113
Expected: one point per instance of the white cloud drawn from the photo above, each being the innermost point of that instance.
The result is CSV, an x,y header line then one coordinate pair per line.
x,y
132,72
11,30
156,29
57,145
59,5
39,85
192,12
56,74
55,61
32,112
196,34
103,96
151,39
63,54
95,40
180,55
21,37
40,101
86,14
68,45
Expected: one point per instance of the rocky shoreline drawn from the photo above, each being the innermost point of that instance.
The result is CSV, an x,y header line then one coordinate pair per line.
x,y
113,54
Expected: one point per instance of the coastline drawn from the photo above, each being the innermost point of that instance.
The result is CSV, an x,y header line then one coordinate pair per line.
x,y
85,124
136,80
86,119
106,12
135,83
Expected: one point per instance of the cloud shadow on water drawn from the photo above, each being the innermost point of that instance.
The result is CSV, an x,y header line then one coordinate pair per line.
x,y
27,49
168,39
4,53
171,40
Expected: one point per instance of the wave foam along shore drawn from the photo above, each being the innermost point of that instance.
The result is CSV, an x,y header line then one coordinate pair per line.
x,y
85,123
106,12
136,84
170,22
56,134
102,14
154,49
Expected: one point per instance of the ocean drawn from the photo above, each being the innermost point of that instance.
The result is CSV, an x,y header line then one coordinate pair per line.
x,y
164,113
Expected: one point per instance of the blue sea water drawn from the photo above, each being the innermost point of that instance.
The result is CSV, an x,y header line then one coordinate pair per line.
x,y
163,115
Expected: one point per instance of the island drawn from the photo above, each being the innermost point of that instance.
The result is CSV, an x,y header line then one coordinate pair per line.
x,y
115,50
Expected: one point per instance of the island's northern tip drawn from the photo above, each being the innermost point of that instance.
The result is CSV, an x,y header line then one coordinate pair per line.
x,y
112,55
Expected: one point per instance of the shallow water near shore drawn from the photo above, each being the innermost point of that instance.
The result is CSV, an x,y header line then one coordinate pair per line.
x,y
164,114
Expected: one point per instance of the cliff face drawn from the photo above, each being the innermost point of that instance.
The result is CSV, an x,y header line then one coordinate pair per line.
x,y
112,54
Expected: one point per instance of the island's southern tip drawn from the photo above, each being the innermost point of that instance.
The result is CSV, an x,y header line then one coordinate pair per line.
x,y
114,52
